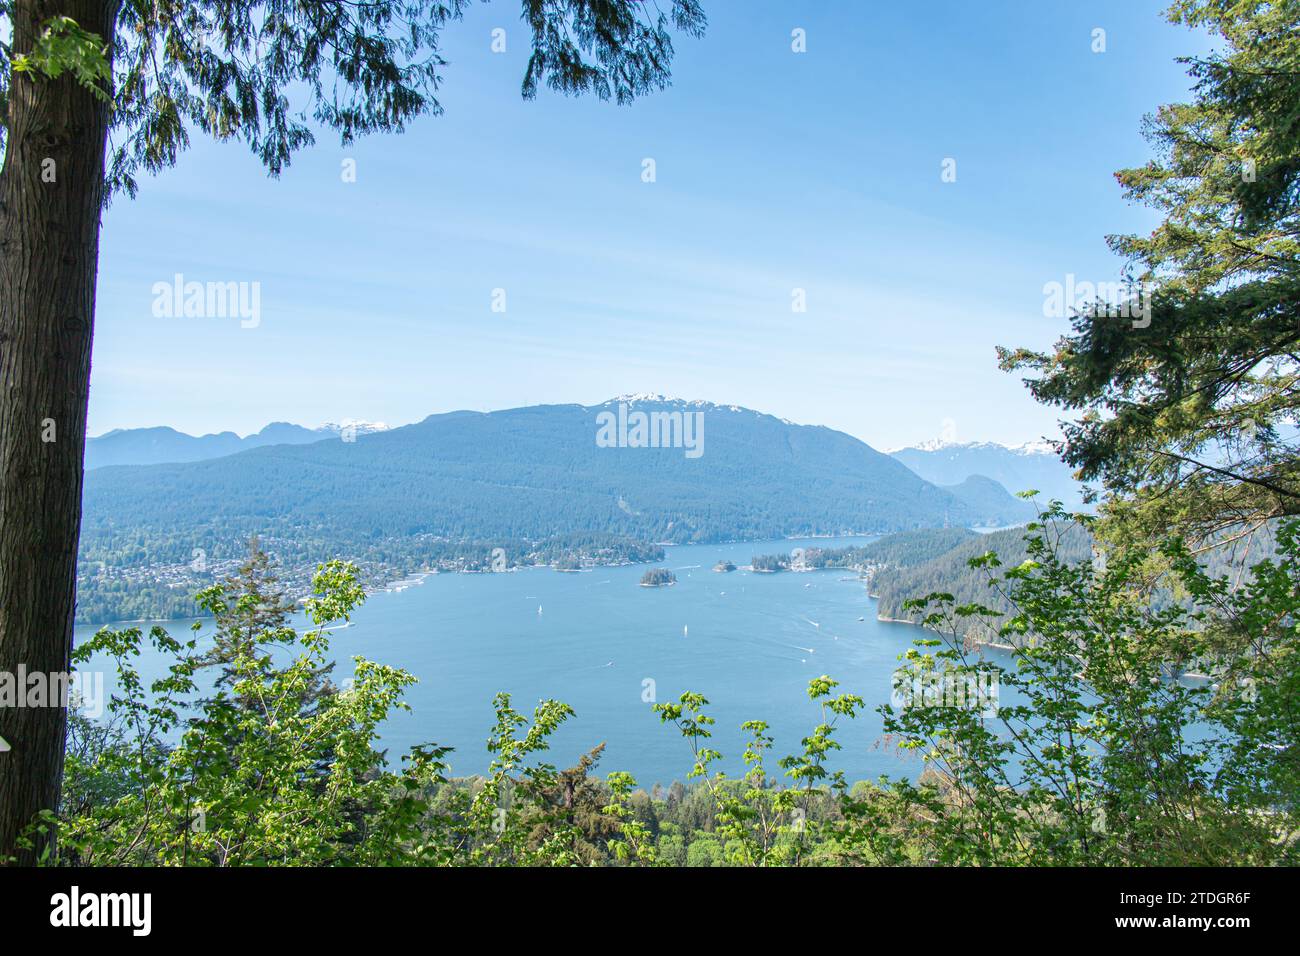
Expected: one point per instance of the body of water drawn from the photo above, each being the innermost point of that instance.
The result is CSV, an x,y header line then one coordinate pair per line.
x,y
598,641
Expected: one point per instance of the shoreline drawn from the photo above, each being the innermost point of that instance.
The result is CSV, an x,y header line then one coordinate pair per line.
x,y
974,640
1194,675
408,578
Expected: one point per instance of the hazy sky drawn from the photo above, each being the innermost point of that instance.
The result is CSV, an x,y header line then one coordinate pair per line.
x,y
775,171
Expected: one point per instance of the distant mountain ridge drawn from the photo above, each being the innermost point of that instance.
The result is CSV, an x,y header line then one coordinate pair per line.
x,y
563,485
163,445
986,497
1033,465
538,471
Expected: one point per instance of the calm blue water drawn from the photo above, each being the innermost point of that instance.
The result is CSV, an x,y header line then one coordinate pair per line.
x,y
749,642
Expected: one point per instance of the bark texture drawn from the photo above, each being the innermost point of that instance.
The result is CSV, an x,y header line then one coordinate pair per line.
x,y
51,195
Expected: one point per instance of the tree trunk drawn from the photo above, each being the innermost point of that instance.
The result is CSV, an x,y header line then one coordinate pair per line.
x,y
51,194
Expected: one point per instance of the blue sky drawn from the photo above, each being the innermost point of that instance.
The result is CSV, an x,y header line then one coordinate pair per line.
x,y
774,171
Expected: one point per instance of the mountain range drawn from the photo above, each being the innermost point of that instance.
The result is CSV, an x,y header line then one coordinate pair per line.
x,y
1020,468
530,473
162,445
563,485
971,471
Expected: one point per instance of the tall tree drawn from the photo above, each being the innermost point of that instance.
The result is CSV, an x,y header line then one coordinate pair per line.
x,y
251,613
93,93
1191,420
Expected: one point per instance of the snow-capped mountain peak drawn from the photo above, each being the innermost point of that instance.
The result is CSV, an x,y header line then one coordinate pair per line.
x,y
1032,464
653,398
1040,446
1037,447
356,425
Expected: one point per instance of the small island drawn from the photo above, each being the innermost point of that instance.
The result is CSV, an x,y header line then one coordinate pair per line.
x,y
658,578
723,566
